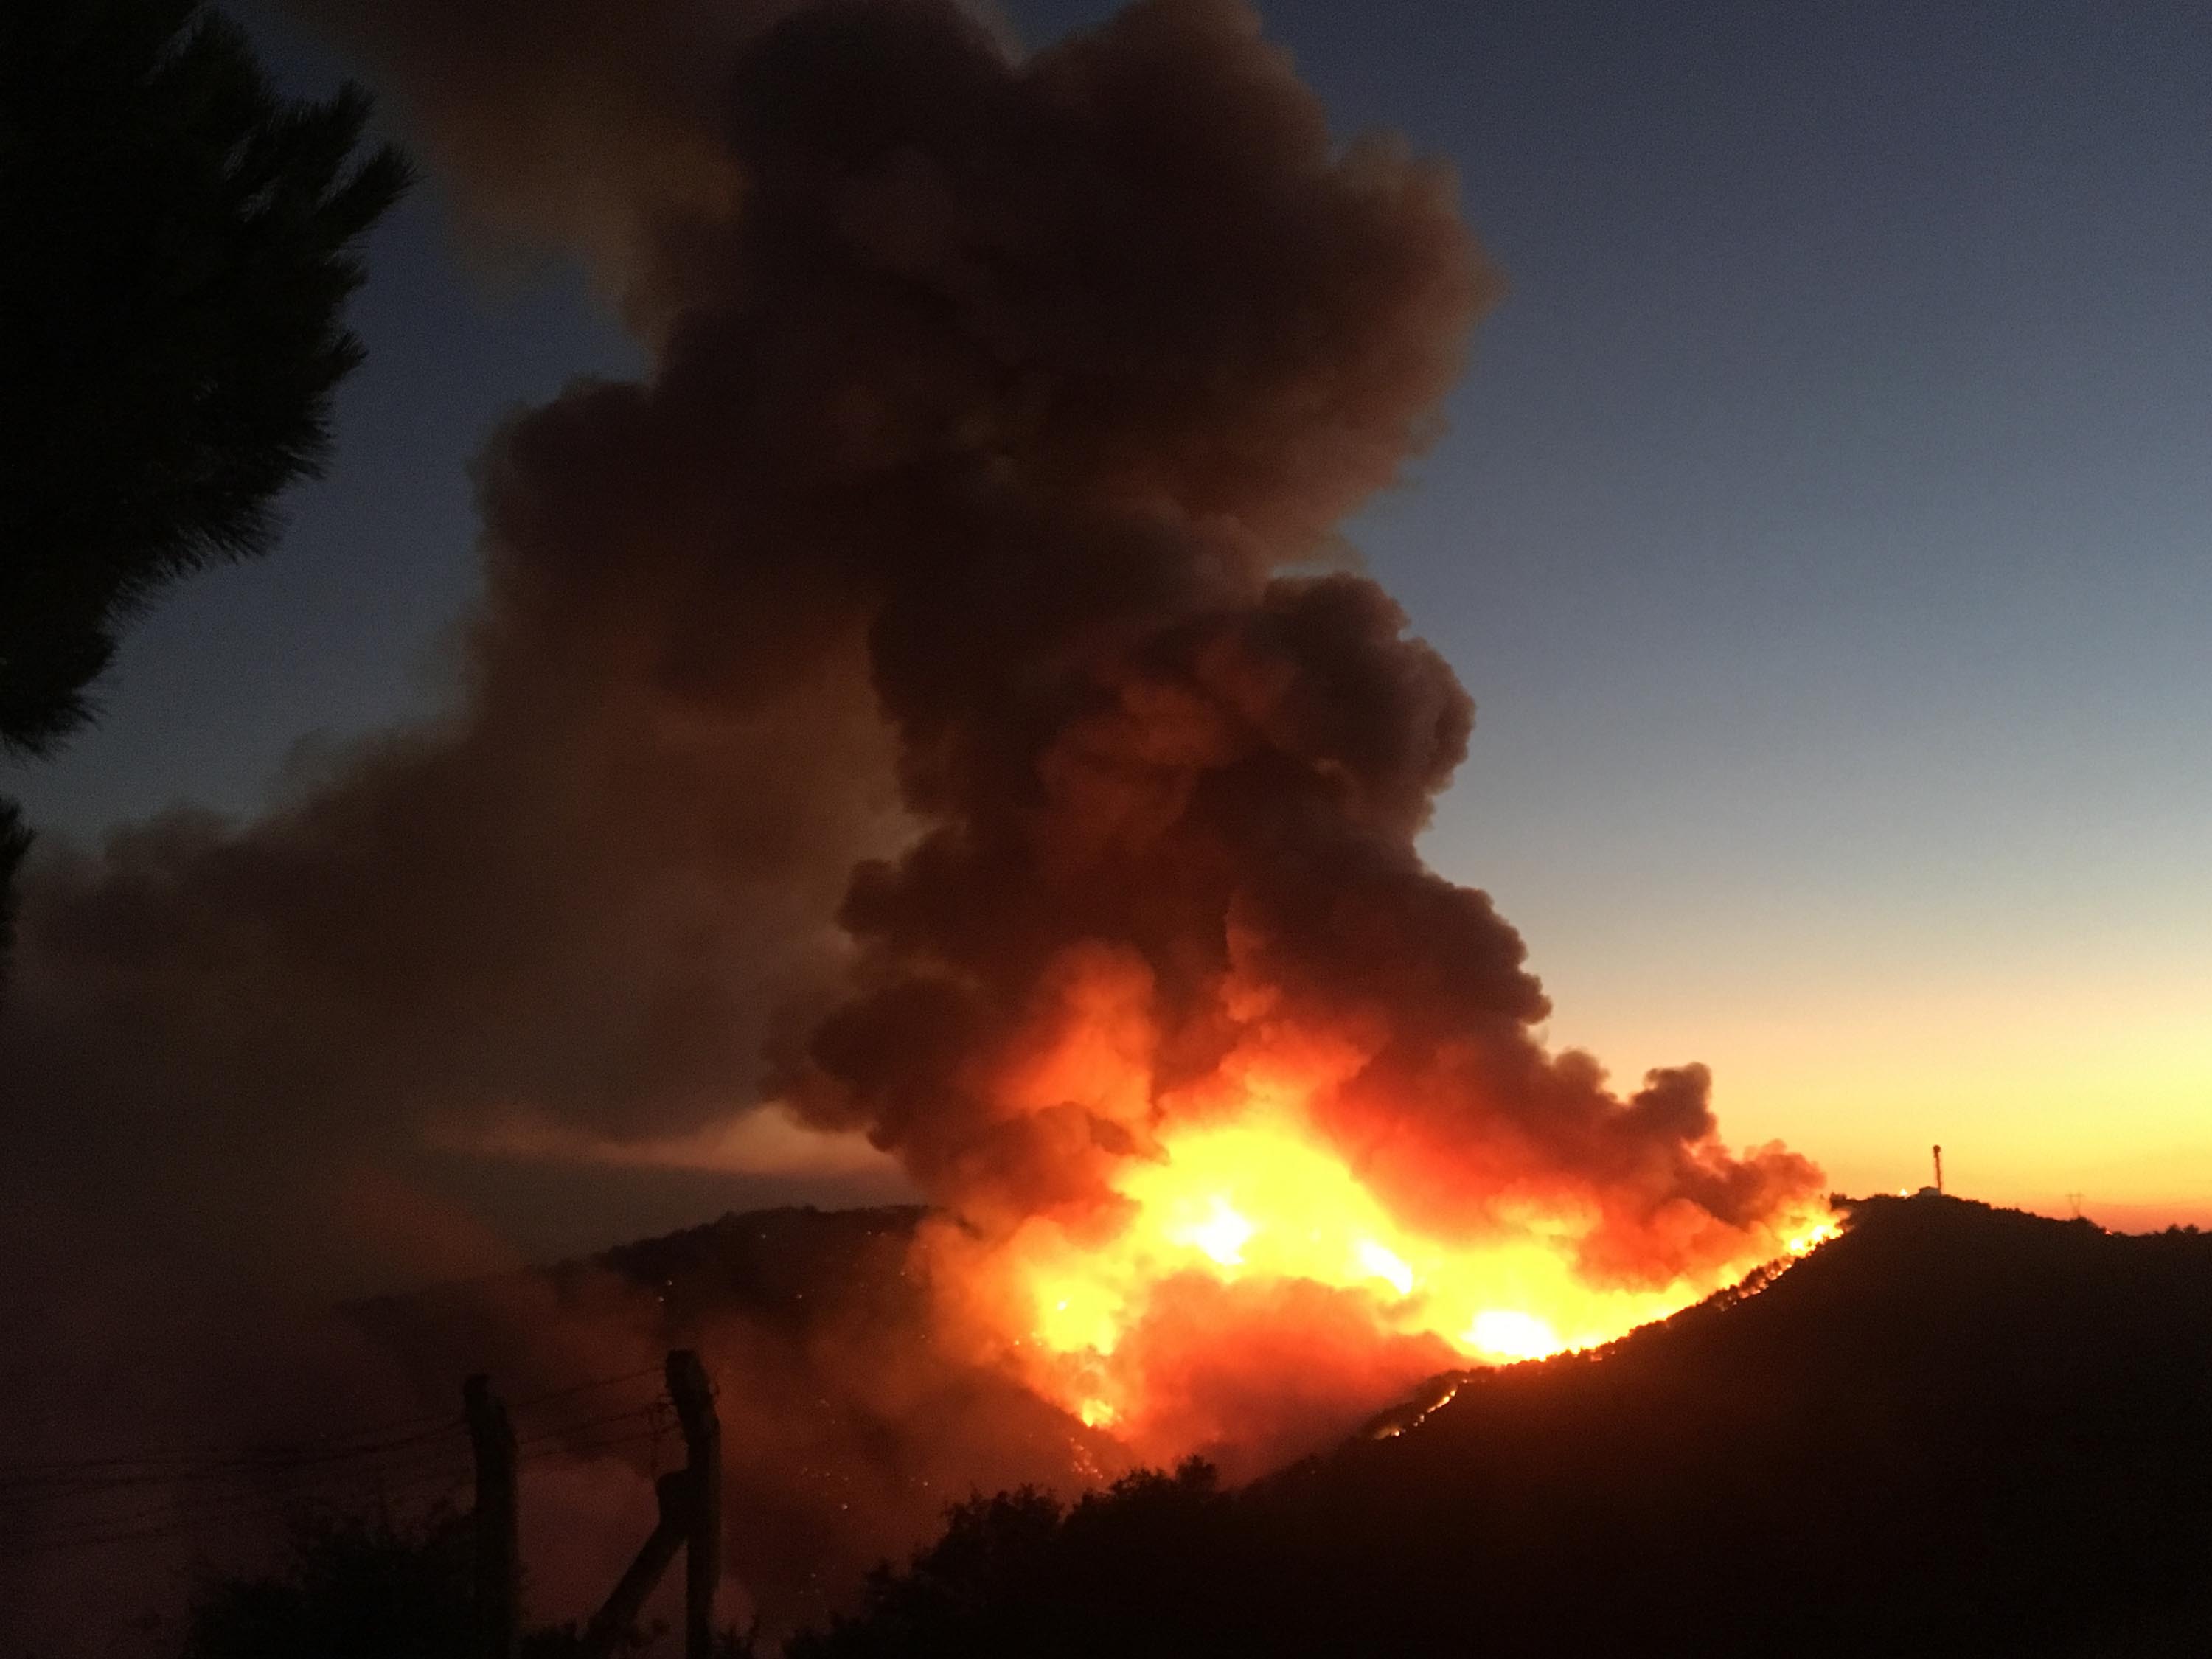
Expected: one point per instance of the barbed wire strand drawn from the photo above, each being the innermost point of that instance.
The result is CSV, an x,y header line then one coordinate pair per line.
x,y
116,1530
341,1442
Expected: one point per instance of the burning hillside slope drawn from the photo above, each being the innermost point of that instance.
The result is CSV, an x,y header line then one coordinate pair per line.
x,y
1955,1430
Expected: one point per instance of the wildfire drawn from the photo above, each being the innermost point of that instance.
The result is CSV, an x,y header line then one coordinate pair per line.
x,y
1256,1235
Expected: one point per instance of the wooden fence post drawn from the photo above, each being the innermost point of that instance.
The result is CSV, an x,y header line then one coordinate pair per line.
x,y
690,1501
498,1559
688,1386
614,1618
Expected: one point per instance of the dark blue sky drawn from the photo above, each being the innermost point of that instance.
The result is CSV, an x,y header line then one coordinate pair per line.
x,y
1824,530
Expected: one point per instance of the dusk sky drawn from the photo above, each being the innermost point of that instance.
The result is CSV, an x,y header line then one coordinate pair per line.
x,y
1821,528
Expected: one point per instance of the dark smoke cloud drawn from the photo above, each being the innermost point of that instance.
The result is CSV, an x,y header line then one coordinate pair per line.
x,y
945,653
988,382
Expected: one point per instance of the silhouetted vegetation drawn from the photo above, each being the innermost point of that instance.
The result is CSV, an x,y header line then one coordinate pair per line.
x,y
15,842
372,1587
1135,1569
174,262
352,1588
1954,1430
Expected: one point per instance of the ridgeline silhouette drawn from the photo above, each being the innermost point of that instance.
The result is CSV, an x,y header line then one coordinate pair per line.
x,y
1956,1430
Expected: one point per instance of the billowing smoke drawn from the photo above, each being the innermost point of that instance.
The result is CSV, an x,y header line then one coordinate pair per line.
x,y
936,698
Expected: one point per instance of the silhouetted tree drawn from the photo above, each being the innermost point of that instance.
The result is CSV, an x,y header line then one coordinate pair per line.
x,y
175,257
14,841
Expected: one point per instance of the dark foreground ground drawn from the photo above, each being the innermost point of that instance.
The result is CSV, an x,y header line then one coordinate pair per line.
x,y
1954,1430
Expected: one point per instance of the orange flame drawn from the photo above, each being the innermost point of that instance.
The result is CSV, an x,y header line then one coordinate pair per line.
x,y
1260,1219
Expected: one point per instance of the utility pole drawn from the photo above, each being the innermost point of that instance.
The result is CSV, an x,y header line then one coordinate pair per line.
x,y
688,1386
1938,1170
498,1560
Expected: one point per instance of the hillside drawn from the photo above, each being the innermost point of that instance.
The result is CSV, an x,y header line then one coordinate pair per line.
x,y
846,1428
765,1264
1955,1430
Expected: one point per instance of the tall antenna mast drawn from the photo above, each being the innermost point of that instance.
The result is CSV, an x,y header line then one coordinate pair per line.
x,y
1939,1169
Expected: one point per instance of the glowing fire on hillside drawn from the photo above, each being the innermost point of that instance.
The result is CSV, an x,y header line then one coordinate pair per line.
x,y
1249,1244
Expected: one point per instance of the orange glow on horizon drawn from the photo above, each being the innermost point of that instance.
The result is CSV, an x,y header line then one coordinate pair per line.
x,y
2051,1086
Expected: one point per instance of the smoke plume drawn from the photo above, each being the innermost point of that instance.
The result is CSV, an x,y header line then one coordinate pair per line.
x,y
935,699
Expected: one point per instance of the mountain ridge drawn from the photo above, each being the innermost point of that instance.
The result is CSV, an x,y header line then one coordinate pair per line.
x,y
1953,1430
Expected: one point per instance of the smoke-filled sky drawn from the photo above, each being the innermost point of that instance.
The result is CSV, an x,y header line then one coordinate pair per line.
x,y
1820,529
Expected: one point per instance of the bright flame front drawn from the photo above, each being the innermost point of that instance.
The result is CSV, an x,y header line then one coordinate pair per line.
x,y
1255,1238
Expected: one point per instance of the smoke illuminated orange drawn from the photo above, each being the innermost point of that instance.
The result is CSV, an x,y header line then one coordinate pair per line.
x,y
1249,1206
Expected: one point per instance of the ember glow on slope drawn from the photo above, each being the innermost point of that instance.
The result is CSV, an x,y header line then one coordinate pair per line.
x,y
1257,1226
